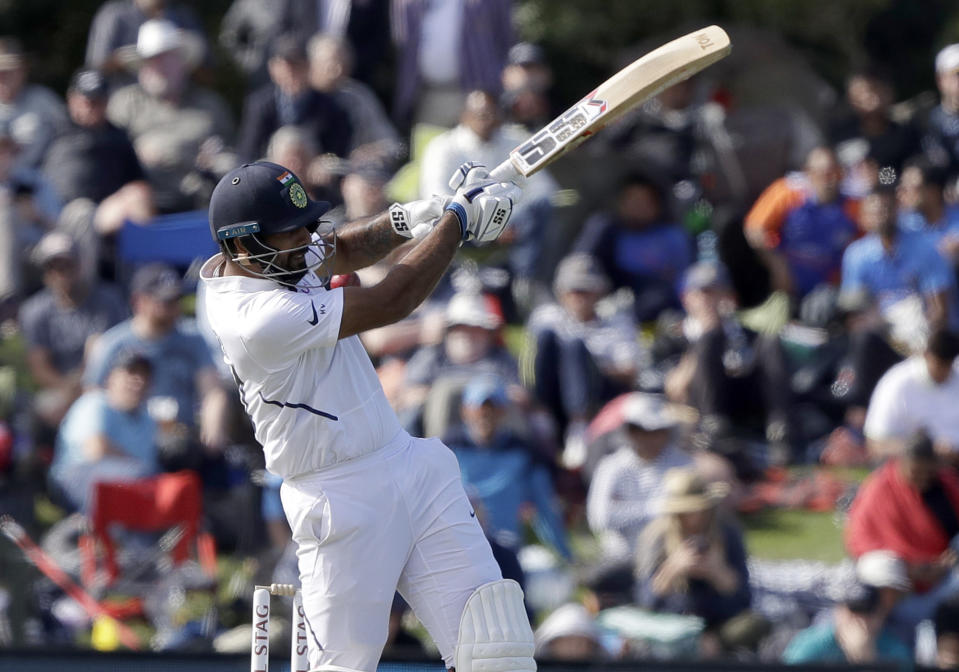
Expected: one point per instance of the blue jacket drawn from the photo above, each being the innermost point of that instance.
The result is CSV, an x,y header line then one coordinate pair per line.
x,y
504,476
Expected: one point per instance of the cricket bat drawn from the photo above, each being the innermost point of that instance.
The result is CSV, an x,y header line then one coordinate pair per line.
x,y
641,80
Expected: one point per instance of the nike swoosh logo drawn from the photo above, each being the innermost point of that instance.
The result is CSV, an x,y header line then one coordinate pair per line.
x,y
472,514
315,319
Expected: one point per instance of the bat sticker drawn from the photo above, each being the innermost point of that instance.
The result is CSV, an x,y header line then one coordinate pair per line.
x,y
557,134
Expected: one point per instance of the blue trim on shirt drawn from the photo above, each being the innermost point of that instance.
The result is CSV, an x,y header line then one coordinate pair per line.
x,y
287,404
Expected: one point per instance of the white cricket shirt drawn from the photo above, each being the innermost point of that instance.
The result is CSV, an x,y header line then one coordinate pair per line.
x,y
314,400
907,399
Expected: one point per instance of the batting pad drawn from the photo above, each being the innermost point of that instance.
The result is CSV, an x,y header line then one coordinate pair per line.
x,y
494,634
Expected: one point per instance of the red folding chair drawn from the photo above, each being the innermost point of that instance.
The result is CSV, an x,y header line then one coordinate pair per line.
x,y
146,505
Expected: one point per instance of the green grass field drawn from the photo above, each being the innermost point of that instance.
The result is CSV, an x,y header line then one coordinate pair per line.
x,y
781,534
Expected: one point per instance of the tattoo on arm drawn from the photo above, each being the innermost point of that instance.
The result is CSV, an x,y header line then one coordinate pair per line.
x,y
365,242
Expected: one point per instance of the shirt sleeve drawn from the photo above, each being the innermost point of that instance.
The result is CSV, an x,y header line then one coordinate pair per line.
x,y
284,324
549,525
937,276
606,510
852,279
768,213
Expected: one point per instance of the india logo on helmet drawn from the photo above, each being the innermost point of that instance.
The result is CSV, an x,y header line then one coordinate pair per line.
x,y
297,195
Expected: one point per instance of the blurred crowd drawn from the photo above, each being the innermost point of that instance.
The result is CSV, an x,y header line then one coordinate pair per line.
x,y
713,291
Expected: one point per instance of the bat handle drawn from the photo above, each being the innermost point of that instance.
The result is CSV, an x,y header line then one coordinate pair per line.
x,y
504,172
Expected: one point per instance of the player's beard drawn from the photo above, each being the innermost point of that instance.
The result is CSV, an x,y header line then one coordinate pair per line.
x,y
295,265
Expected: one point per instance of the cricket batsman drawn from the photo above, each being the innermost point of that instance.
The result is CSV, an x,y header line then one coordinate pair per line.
x,y
372,509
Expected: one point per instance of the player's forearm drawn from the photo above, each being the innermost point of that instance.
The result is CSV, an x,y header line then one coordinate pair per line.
x,y
407,284
418,273
364,242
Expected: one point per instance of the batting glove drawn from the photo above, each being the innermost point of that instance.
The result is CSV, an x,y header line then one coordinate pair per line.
x,y
472,174
417,219
484,211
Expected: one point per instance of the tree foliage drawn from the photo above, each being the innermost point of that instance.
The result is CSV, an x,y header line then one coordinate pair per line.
x,y
586,38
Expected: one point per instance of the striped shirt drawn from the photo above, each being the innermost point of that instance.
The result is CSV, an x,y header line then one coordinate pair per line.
x,y
625,493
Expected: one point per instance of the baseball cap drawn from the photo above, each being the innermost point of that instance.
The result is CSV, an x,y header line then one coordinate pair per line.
x,y
485,389
580,272
471,309
54,245
947,60
11,53
647,411
261,197
883,569
159,36
706,275
158,281
89,83
526,53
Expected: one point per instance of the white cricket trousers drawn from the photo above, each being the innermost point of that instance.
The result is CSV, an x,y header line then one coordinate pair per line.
x,y
396,519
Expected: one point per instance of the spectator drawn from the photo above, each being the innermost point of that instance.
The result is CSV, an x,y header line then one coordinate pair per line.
x,y
363,190
569,634
801,224
690,560
108,435
607,585
373,137
183,369
471,346
855,634
662,136
841,377
502,468
59,323
626,489
94,159
731,375
582,359
917,394
940,141
290,100
947,635
95,170
445,49
639,247
33,113
909,507
28,209
481,137
527,81
900,268
116,26
250,28
923,207
179,130
866,125
295,148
